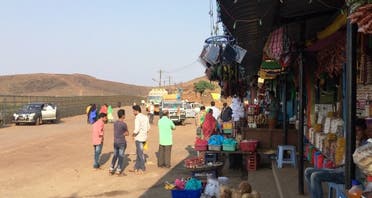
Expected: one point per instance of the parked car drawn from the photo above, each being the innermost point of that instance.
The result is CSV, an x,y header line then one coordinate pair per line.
x,y
36,113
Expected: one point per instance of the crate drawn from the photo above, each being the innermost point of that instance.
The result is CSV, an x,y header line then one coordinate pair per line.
x,y
214,147
229,147
227,125
210,157
227,131
252,162
186,193
248,145
201,147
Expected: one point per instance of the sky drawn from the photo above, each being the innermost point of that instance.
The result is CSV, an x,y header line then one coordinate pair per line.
x,y
117,40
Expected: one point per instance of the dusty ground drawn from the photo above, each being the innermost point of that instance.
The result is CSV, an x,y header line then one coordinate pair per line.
x,y
55,160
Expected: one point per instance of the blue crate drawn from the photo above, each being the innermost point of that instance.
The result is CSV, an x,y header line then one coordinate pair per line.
x,y
186,193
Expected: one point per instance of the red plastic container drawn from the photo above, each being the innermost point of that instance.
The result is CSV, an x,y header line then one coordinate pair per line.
x,y
248,145
201,147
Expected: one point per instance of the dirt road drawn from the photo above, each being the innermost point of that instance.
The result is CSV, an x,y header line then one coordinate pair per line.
x,y
55,160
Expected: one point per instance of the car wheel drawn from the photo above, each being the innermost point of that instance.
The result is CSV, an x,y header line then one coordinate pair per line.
x,y
1,123
17,123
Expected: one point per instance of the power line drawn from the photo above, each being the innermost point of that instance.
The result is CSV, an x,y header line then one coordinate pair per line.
x,y
181,68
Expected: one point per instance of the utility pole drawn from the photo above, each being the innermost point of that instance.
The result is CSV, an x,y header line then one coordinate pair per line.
x,y
169,81
160,77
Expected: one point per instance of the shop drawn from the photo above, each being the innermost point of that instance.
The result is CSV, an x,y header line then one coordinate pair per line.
x,y
302,73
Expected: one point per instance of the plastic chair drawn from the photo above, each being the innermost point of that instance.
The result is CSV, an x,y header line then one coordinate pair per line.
x,y
281,160
338,188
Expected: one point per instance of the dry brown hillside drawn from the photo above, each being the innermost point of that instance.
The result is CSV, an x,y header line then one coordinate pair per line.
x,y
65,85
83,85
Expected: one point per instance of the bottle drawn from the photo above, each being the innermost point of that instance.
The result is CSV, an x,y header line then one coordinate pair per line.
x,y
355,191
369,184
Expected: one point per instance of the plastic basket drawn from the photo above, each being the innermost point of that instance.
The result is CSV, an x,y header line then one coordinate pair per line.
x,y
228,147
214,147
227,131
201,147
248,145
227,125
186,193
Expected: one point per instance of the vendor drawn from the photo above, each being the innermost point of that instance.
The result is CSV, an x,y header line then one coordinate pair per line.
x,y
209,125
273,110
314,177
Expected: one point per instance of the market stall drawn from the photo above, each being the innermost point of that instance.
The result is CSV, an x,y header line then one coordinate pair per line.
x,y
309,61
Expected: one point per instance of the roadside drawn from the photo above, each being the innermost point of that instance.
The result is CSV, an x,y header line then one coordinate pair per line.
x,y
55,160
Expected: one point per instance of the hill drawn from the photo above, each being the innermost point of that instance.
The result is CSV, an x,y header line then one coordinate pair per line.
x,y
65,85
42,84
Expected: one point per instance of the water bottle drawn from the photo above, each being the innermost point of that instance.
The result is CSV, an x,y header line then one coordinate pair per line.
x,y
355,191
367,193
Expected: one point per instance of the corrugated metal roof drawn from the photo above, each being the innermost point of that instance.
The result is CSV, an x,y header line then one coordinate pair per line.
x,y
250,22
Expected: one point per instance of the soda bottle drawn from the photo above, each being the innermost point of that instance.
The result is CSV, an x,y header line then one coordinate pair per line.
x,y
355,191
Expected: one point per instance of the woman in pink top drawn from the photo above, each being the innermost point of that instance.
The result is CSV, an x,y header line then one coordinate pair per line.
x,y
97,137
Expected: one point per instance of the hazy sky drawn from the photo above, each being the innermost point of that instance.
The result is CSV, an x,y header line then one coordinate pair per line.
x,y
119,40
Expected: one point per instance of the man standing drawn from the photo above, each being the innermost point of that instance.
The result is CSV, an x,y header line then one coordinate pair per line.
x,y
120,144
141,127
199,119
97,137
165,140
216,111
151,112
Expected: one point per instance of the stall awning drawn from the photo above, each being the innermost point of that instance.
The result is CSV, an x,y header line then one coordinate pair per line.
x,y
250,22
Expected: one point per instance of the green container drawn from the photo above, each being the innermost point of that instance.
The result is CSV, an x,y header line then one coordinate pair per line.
x,y
229,147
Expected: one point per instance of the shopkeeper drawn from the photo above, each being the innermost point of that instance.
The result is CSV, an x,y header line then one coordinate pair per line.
x,y
314,176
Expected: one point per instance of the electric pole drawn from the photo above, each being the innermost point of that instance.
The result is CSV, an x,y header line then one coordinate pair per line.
x,y
160,78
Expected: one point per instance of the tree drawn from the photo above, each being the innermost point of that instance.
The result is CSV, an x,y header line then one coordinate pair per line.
x,y
203,85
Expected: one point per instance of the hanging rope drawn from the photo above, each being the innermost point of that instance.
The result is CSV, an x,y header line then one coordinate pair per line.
x,y
211,16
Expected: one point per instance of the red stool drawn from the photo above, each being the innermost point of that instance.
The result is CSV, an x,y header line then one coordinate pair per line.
x,y
252,162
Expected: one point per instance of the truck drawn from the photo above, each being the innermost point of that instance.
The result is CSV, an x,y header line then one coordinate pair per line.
x,y
175,107
155,96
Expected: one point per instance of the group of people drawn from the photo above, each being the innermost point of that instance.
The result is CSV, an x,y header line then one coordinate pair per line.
x,y
140,132
93,113
209,121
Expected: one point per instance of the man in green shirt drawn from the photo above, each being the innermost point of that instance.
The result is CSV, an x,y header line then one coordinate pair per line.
x,y
165,126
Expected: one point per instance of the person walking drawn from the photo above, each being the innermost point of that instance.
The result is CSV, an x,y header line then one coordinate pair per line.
x,y
151,112
165,126
103,109
97,138
120,144
141,128
87,111
110,116
92,114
